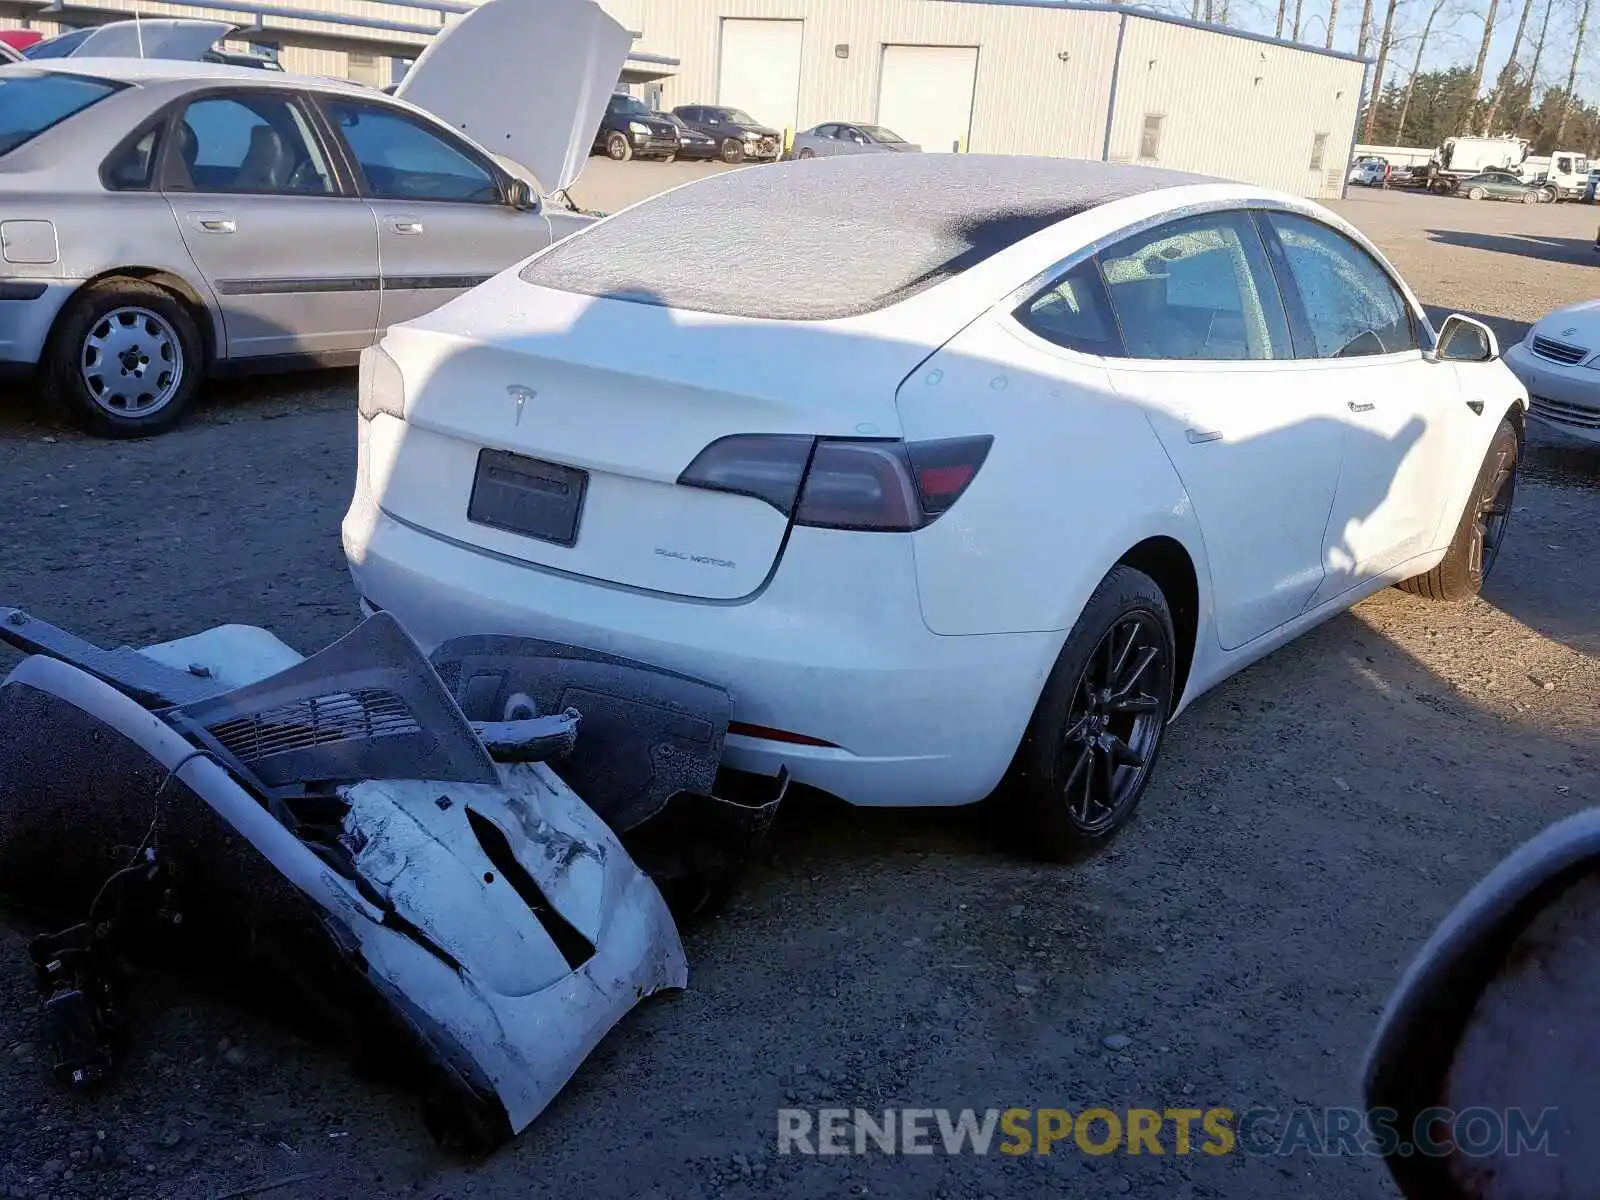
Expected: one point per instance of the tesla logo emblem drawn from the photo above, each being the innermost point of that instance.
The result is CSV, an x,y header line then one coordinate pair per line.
x,y
521,395
1568,332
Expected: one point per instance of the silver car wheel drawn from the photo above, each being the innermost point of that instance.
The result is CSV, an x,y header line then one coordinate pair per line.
x,y
132,362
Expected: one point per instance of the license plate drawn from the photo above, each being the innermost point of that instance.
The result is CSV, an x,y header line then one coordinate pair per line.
x,y
528,496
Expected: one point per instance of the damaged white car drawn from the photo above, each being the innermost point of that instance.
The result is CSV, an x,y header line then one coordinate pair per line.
x,y
396,845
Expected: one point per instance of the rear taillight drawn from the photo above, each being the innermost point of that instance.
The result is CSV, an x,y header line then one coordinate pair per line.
x,y
843,483
768,467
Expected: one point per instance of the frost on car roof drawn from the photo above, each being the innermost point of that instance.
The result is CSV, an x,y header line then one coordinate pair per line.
x,y
833,237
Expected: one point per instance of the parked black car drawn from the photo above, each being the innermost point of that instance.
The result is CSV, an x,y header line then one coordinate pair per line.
x,y
630,130
692,143
738,135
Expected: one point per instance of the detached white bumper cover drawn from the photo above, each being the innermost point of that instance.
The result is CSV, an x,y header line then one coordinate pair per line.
x,y
490,923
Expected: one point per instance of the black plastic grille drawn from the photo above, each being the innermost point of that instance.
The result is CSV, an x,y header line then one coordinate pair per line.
x,y
318,721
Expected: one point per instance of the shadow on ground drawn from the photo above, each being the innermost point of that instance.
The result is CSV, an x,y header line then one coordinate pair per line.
x,y
1551,248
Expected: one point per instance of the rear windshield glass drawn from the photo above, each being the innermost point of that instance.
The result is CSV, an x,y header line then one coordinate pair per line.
x,y
856,234
30,104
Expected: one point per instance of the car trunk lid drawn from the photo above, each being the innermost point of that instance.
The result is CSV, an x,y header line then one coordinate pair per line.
x,y
526,80
513,376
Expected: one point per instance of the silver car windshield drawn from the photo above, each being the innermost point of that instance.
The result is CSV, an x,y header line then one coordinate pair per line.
x,y
31,103
879,134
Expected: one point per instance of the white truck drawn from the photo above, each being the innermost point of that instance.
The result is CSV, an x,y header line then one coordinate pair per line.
x,y
1564,174
1460,157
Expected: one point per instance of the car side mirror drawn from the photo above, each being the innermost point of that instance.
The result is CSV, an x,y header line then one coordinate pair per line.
x,y
1462,339
1485,1068
520,196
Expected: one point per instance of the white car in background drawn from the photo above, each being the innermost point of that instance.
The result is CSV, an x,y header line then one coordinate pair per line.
x,y
1559,363
985,467
1368,172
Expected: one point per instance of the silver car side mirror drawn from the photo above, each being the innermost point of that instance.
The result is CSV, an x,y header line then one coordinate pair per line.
x,y
1462,339
1485,1070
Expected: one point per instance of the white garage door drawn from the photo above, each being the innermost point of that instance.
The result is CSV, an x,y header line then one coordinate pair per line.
x,y
760,69
925,94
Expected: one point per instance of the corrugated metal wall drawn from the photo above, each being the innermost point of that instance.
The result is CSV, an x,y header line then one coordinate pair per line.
x,y
1240,109
1027,99
1234,107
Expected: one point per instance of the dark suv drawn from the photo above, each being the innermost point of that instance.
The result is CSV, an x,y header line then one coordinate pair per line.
x,y
739,136
630,130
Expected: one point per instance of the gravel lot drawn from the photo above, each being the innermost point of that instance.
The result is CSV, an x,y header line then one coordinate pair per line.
x,y
1312,819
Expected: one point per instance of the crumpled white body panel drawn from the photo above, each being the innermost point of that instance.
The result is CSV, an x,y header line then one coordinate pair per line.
x,y
524,1016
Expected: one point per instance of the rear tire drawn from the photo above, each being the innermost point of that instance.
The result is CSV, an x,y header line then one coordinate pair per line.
x,y
1475,194
125,359
1092,743
618,148
1480,533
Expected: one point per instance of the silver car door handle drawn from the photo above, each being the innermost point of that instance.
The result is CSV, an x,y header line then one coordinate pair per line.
x,y
406,226
1200,436
219,225
1358,406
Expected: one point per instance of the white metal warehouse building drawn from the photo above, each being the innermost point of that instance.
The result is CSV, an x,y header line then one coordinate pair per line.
x,y
987,76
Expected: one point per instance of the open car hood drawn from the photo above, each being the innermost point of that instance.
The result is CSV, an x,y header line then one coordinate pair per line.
x,y
526,79
180,39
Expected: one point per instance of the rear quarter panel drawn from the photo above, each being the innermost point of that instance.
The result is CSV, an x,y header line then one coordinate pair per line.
x,y
1076,477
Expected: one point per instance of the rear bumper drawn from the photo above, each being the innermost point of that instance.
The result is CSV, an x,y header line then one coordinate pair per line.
x,y
1564,399
833,649
28,311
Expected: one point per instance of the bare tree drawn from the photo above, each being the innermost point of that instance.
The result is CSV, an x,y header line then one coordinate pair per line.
x,y
1366,24
1384,43
1416,66
1333,21
1194,10
1477,70
1572,72
1282,7
1508,73
1538,48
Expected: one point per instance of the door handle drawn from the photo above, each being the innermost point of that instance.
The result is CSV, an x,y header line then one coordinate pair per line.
x,y
1358,406
219,224
405,225
1200,436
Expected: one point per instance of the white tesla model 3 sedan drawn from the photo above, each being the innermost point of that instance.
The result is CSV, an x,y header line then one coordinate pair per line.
x,y
952,469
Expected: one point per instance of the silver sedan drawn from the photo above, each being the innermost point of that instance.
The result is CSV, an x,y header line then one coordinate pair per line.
x,y
839,138
162,219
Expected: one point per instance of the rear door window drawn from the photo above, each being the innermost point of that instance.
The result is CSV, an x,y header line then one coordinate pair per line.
x,y
251,142
1074,312
33,101
1200,288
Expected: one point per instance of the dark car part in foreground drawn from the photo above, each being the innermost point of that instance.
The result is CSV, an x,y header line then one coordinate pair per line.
x,y
391,847
738,135
1484,1058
